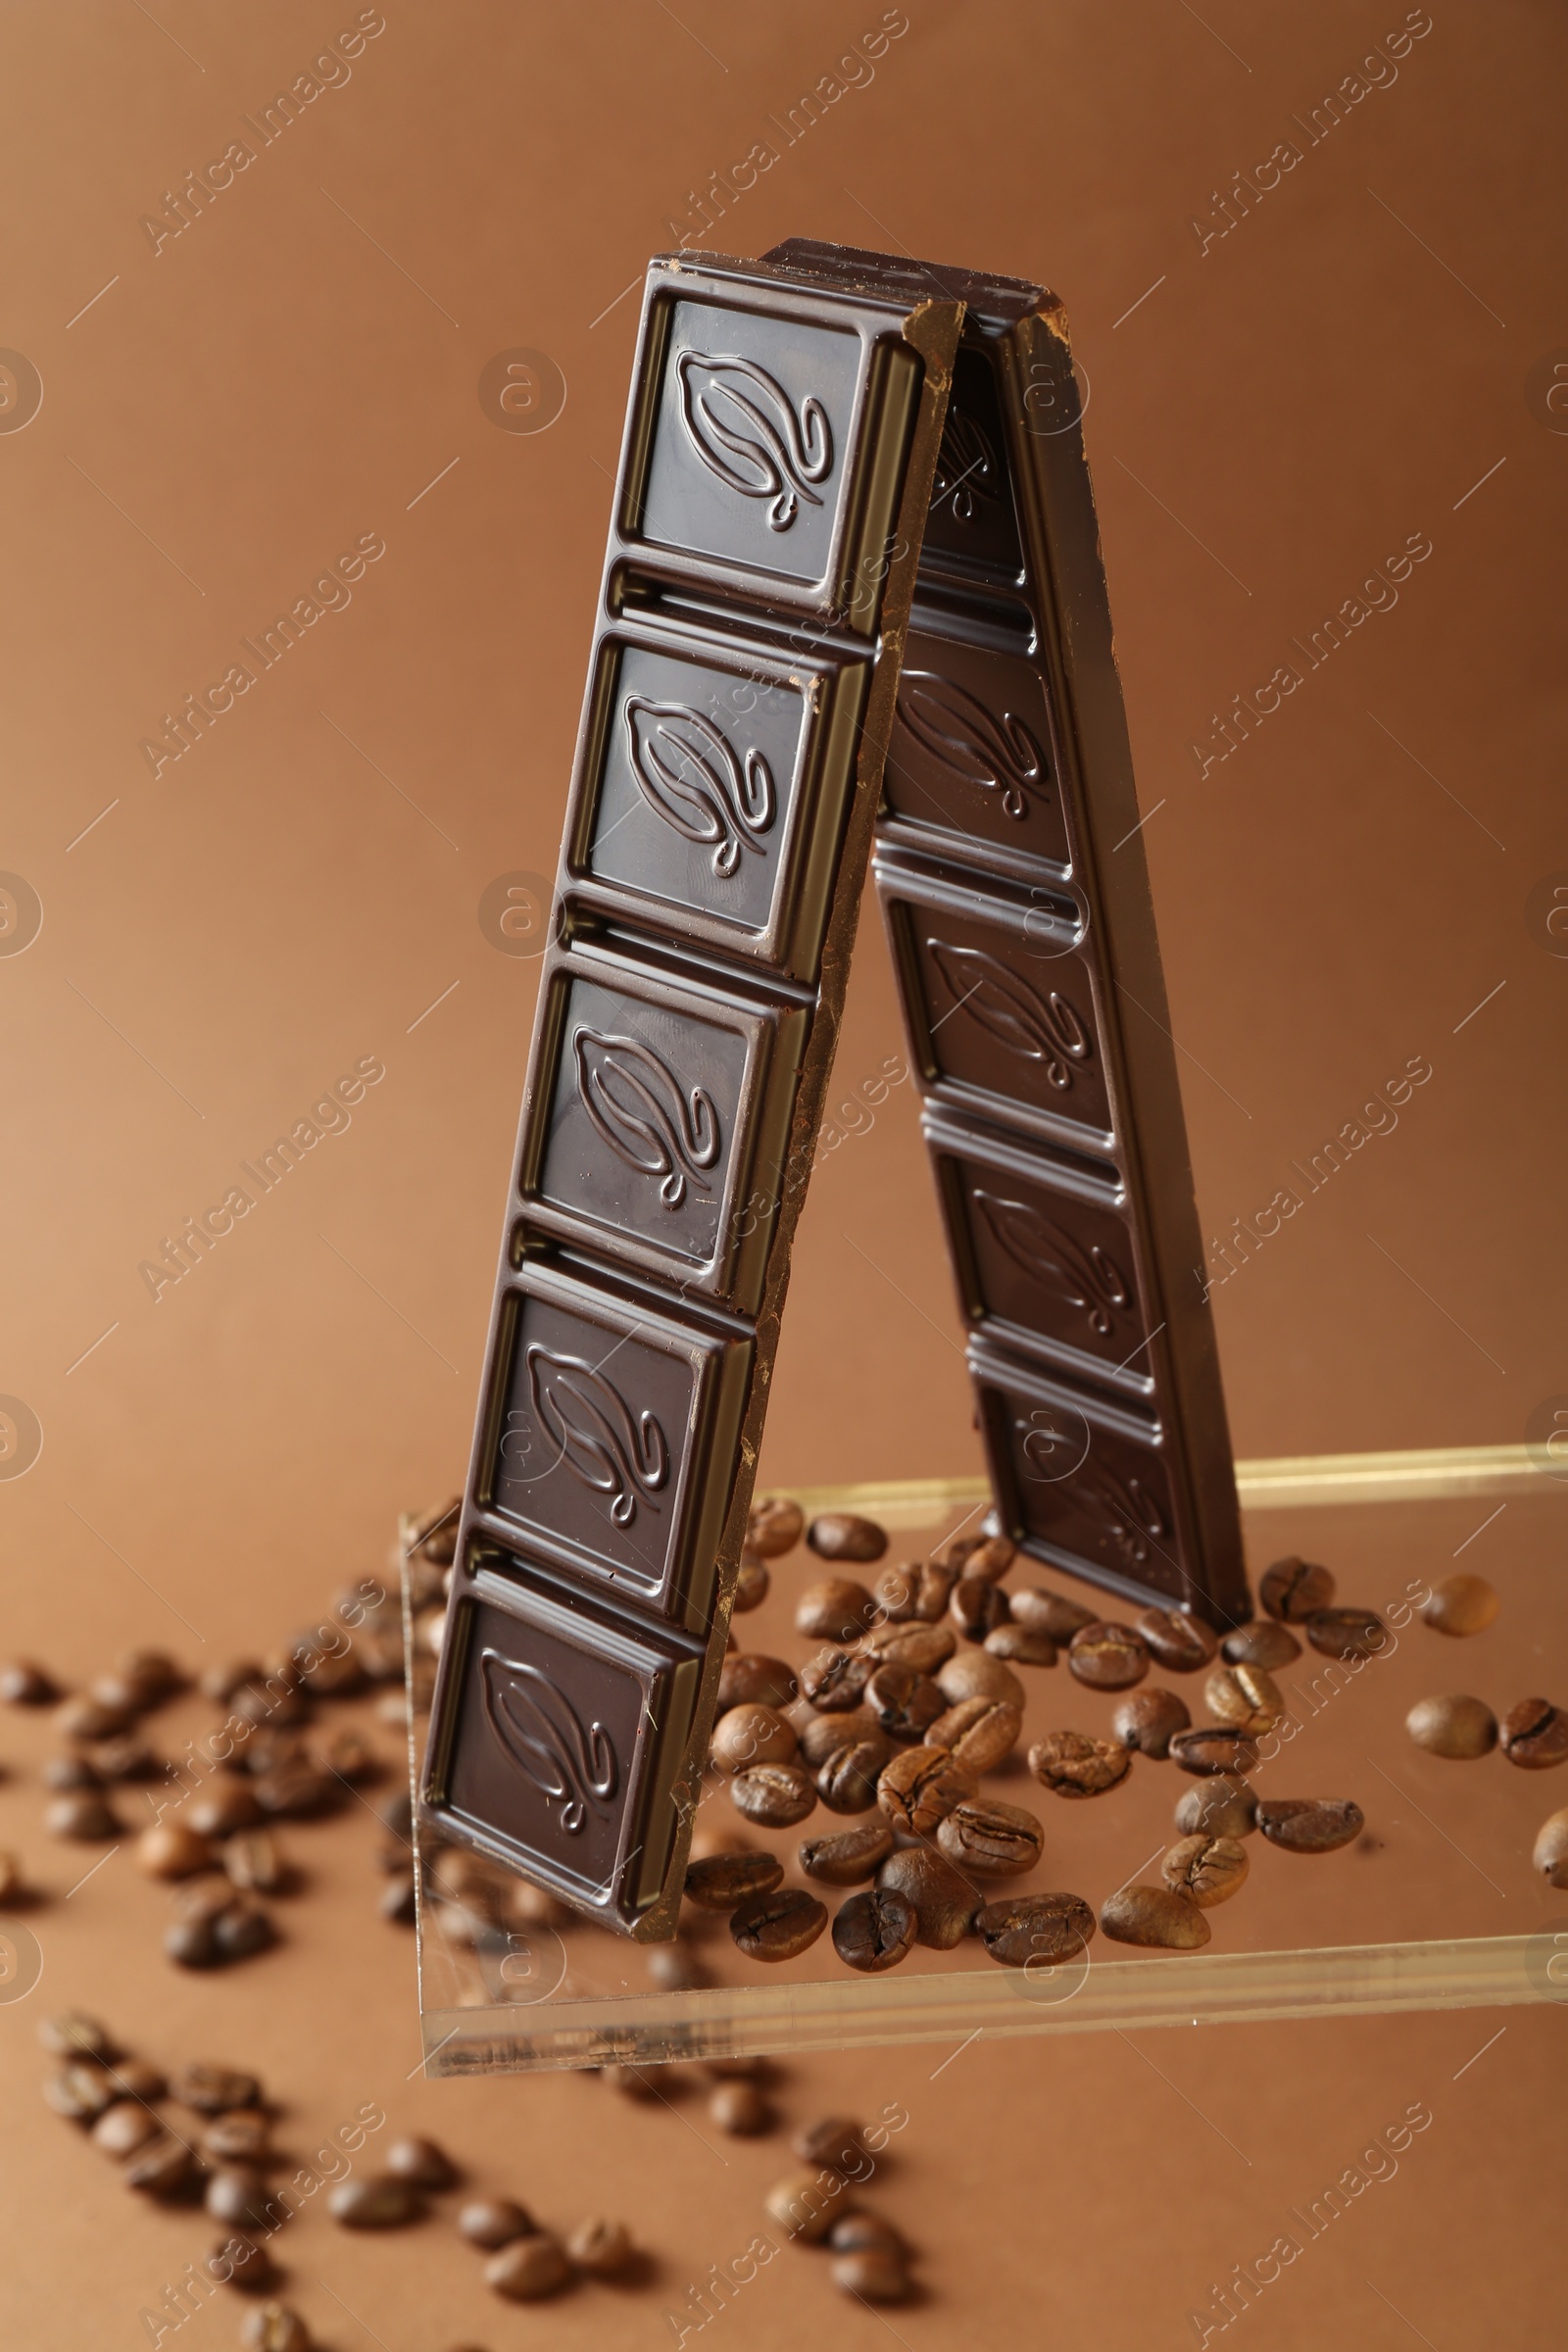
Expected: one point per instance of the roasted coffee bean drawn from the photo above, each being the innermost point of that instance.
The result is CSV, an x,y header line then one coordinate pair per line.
x,y
163,2168
1221,1807
943,1901
991,1558
1453,1725
127,1758
255,1863
840,1536
922,1646
1018,1929
529,2269
222,1681
913,1593
124,2127
1246,1698
1210,1870
976,1674
379,2201
80,2091
904,1702
1107,1657
137,2078
1460,1605
259,1752
1157,1917
847,1858
779,1926
1148,1721
1346,1633
346,1755
277,1704
399,1903
72,2033
71,1772
848,1781
773,1525
874,1932
298,1792
1304,1825
222,1807
24,1685
1550,1855
243,2135
835,1680
1072,1765
752,1734
214,2089
988,1840
89,1719
752,1584
1051,1613
274,2327
171,1850
676,1968
773,1795
433,1535
977,1733
920,1788
740,2109
237,2194
1208,1747
1175,1639
825,1732
1266,1644
422,2163
193,1943
243,1928
238,2261
603,2249
836,1610
87,1815
492,2222
807,2204
336,1675
1020,1648
1294,1590
722,1881
1534,1735
834,2142
748,1678
12,1881
974,1605
865,2233
872,2276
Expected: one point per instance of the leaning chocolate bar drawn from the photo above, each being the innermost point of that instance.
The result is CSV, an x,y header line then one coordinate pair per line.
x,y
778,461
1012,879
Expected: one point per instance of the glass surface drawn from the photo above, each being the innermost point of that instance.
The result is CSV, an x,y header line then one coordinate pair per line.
x,y
1436,1905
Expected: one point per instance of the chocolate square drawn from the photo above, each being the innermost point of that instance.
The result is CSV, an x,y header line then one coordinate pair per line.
x,y
971,752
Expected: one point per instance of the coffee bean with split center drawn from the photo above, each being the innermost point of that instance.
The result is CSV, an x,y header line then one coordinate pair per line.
x,y
975,1606
1534,1735
847,1858
1209,1869
1461,1605
1304,1825
1149,1720
1246,1698
773,1795
1156,1917
722,1880
848,1781
920,1788
989,1839
1209,1748
599,2249
922,1646
977,1733
1294,1589
1223,1806
841,1536
80,2090
1454,1726
213,2090
1023,1930
834,1680
1107,1657
943,1900
274,2327
1266,1644
779,1926
873,1932
243,2135
1072,1764
904,1702
1176,1638
915,1592
1346,1633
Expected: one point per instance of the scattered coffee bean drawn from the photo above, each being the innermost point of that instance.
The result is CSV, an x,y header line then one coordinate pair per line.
x,y
24,1685
875,1931
603,2249
773,1795
752,1734
1246,1698
1346,1633
987,1840
863,2234
71,1772
422,2163
242,2136
774,1524
124,2127
840,1536
80,2091
276,1702
848,1781
807,2204
825,1732
904,1702
1221,1807
740,2109
1072,1765
171,1850
237,2194
127,1760
1461,1605
221,1683
1296,1589
976,1674
1304,1825
243,1928
916,1593
977,1733
237,2261
1107,1657
1019,1647
1156,1917
1453,1725
274,2327
222,1807
872,2276
214,2089
298,1790
920,1646
254,1862
1149,1720
1051,1614
399,1903
747,1677
1018,1929
779,1926
1208,1747
920,1787
992,1557
847,1858
492,2222
833,2142
834,1680
87,1815
345,1755
379,2201
1175,1639
1534,1735
72,2033
1210,1870
1550,1855
163,2168
752,1584
836,1610
529,2269
944,1902
14,1887
975,1606
722,1881
135,2079
1267,1643
89,1719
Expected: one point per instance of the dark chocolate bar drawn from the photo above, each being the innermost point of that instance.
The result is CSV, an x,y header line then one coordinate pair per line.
x,y
1012,880
778,461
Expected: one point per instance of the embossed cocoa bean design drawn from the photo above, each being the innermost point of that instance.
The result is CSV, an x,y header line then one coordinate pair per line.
x,y
967,467
1036,1028
594,1430
744,428
688,774
542,1731
638,1106
1088,1278
958,732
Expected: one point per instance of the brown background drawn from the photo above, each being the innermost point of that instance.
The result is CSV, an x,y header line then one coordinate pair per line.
x,y
299,366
